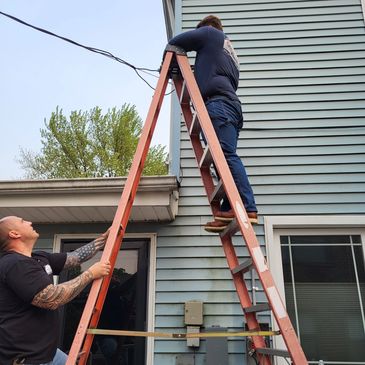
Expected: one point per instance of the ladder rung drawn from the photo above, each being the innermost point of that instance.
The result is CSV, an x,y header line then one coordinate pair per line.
x,y
184,97
206,159
231,229
244,267
218,192
263,307
272,352
195,127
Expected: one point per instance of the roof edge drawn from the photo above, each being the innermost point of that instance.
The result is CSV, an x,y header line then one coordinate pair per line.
x,y
147,183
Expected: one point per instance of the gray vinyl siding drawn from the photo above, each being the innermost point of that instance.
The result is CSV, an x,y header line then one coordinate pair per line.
x,y
303,143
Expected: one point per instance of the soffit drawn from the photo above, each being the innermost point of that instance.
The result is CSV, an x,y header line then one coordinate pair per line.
x,y
87,200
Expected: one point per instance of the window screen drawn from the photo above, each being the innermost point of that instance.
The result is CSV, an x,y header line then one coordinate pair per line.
x,y
324,281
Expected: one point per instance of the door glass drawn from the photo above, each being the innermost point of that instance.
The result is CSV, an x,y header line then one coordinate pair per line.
x,y
120,311
324,289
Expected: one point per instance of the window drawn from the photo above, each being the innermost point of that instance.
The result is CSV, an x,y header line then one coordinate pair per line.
x,y
324,282
321,276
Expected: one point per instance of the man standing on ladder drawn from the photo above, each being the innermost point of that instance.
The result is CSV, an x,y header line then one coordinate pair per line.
x,y
217,74
29,302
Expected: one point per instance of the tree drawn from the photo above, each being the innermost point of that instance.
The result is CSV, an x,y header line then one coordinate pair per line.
x,y
91,144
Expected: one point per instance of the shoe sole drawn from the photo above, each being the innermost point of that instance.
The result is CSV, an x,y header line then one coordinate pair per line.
x,y
214,229
223,219
221,229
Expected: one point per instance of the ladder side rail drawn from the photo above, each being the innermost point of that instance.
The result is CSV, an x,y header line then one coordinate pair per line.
x,y
248,233
99,287
231,256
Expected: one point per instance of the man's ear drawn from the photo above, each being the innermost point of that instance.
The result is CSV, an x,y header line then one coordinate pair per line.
x,y
14,234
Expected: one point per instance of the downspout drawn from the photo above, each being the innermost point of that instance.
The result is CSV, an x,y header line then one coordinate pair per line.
x,y
175,121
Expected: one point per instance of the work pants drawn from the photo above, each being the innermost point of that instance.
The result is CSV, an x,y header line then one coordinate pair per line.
x,y
227,120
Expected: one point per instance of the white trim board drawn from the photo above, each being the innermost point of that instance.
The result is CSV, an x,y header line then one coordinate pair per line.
x,y
151,280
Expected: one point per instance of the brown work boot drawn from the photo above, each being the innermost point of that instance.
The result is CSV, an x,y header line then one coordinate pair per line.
x,y
229,216
252,216
215,226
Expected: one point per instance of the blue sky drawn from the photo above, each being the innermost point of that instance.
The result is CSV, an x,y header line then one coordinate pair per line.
x,y
39,72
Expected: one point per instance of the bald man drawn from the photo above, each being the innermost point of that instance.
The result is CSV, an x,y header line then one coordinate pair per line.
x,y
29,301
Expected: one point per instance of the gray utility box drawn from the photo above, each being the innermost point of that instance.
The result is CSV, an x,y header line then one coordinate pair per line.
x,y
193,313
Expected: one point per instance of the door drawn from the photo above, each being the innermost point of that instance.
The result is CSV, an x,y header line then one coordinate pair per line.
x,y
124,307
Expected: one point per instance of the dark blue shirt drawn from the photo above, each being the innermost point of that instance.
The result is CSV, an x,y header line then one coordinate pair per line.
x,y
216,66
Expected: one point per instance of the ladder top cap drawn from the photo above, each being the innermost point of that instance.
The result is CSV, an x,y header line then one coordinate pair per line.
x,y
175,49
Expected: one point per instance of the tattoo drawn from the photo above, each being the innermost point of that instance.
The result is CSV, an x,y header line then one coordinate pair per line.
x,y
53,296
85,252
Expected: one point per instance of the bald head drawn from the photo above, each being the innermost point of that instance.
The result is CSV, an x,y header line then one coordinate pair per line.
x,y
6,225
15,230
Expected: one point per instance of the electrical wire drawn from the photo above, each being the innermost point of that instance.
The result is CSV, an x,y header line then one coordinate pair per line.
x,y
102,52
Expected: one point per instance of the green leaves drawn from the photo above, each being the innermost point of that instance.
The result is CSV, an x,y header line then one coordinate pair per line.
x,y
91,144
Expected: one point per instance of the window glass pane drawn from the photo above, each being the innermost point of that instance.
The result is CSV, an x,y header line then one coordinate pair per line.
x,y
320,239
359,257
285,256
323,264
289,292
284,240
327,299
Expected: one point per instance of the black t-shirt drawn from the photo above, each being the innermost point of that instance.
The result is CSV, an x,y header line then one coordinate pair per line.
x,y
26,330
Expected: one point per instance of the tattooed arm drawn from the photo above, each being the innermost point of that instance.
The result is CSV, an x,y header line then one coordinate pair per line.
x,y
53,296
86,252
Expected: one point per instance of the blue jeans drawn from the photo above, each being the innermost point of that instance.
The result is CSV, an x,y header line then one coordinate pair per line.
x,y
227,120
59,359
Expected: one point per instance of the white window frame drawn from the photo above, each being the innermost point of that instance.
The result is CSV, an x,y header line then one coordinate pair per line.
x,y
276,225
151,280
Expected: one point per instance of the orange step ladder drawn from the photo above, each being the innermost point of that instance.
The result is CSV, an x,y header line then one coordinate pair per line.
x,y
176,65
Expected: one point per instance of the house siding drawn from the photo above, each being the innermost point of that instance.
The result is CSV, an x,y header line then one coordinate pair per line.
x,y
302,88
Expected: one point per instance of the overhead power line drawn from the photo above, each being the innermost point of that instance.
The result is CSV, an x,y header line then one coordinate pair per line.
x,y
91,49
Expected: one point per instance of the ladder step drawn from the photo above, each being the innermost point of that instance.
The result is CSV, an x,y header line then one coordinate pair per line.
x,y
184,97
244,267
206,159
231,229
218,192
263,307
272,352
195,127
